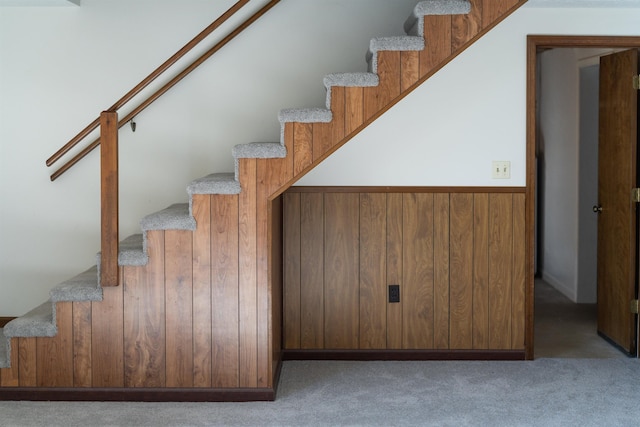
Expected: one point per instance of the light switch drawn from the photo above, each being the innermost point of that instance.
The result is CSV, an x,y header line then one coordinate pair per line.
x,y
501,169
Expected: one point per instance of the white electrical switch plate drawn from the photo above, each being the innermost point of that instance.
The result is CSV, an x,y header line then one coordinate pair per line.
x,y
501,170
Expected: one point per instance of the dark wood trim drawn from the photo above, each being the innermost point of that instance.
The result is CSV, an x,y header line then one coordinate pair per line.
x,y
109,198
404,355
382,189
535,44
5,320
138,394
544,42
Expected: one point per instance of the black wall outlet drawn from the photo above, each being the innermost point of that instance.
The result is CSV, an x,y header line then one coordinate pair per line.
x,y
394,293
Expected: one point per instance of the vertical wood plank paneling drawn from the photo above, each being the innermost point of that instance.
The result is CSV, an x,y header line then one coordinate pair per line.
x,y
409,69
519,276
465,27
277,286
270,175
26,361
10,377
441,271
202,291
291,300
461,279
225,293
144,318
500,274
178,249
417,328
354,109
82,367
493,9
312,271
247,229
458,258
302,134
373,295
437,33
341,271
481,271
107,337
322,139
377,97
54,355
338,110
394,269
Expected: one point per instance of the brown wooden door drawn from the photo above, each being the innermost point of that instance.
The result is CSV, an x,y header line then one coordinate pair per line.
x,y
617,175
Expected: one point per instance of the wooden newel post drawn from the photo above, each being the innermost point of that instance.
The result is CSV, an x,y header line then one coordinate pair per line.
x,y
109,198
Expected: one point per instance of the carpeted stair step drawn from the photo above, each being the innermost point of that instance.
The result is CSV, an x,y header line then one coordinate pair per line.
x,y
216,183
414,25
39,322
83,287
5,350
394,43
349,80
303,115
174,217
131,251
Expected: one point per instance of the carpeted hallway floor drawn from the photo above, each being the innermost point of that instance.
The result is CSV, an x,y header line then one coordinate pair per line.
x,y
574,381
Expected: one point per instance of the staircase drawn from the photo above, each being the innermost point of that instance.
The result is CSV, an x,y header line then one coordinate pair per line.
x,y
198,314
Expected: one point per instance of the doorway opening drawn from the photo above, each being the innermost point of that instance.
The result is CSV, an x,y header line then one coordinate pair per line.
x,y
562,326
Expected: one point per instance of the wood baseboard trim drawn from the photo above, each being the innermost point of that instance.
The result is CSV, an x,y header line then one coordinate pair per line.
x,y
138,394
367,355
5,320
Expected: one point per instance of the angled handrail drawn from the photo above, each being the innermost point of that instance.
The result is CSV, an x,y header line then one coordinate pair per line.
x,y
150,78
163,89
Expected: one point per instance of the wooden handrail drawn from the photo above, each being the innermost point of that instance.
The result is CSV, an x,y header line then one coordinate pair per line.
x,y
89,148
150,78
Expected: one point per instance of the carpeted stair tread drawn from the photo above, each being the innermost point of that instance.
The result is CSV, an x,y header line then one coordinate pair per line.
x,y
414,25
349,80
83,287
260,150
131,251
5,350
39,322
174,217
305,115
216,183
393,43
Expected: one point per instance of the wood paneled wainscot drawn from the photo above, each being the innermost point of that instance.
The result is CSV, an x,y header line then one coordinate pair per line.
x,y
458,256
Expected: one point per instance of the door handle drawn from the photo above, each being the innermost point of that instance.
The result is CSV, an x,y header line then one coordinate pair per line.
x,y
597,209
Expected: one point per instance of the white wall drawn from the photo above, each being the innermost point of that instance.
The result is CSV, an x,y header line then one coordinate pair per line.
x,y
558,155
60,67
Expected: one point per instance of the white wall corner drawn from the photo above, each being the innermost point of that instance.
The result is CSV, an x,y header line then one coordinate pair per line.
x,y
568,290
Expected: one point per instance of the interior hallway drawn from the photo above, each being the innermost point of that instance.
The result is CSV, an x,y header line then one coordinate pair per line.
x,y
564,329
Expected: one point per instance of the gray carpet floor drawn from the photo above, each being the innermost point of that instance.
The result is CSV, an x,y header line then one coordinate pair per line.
x,y
544,392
